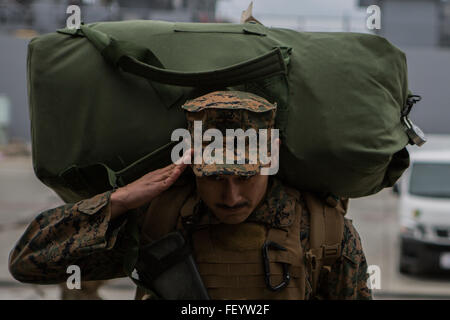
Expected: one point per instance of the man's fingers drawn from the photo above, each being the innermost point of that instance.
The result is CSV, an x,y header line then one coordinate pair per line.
x,y
186,158
159,174
167,168
174,175
164,173
173,170
183,161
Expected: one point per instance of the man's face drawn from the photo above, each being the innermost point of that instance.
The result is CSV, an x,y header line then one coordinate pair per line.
x,y
232,198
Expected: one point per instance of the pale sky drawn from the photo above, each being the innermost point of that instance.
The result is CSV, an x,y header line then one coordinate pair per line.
x,y
312,15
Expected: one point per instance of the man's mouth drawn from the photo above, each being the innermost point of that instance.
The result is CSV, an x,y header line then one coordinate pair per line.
x,y
232,208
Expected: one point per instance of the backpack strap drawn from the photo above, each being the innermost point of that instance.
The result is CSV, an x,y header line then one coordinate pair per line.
x,y
163,213
326,234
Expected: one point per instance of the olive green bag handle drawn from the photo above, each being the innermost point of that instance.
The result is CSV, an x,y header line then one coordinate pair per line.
x,y
95,178
141,61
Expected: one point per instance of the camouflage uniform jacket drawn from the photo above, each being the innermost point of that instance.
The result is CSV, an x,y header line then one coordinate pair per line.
x,y
83,234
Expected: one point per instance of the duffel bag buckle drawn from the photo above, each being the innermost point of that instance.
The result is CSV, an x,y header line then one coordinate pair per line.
x,y
415,134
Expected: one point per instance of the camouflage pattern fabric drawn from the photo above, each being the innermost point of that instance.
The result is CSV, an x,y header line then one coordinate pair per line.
x,y
224,110
277,209
73,234
347,279
229,100
83,234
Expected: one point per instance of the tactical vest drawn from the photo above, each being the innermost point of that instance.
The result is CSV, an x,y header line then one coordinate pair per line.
x,y
249,260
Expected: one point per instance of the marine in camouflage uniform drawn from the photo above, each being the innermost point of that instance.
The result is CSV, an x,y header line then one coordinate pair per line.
x,y
84,234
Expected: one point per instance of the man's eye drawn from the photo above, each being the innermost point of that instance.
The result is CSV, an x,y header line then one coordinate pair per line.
x,y
244,178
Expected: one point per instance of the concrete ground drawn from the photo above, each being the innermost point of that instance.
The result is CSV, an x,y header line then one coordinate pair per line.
x,y
23,196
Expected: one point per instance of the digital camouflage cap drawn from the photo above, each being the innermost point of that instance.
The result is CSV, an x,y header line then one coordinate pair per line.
x,y
224,110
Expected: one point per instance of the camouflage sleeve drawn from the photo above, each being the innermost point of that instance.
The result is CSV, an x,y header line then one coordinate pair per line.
x,y
73,234
347,279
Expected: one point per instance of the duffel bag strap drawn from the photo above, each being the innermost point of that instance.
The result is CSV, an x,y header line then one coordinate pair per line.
x,y
96,178
141,61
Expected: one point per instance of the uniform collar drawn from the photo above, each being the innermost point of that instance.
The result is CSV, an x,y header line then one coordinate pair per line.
x,y
277,209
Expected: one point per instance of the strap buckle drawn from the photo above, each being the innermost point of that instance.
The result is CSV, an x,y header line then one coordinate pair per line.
x,y
331,253
326,255
286,276
410,102
312,258
415,134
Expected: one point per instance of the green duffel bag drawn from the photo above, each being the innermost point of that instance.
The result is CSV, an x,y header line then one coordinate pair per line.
x,y
105,99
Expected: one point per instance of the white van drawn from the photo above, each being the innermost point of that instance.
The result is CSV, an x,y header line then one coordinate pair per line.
x,y
424,208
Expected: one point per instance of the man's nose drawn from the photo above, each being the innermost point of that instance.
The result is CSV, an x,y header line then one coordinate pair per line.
x,y
231,194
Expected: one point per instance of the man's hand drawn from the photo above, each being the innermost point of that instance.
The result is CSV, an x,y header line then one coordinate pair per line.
x,y
146,188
